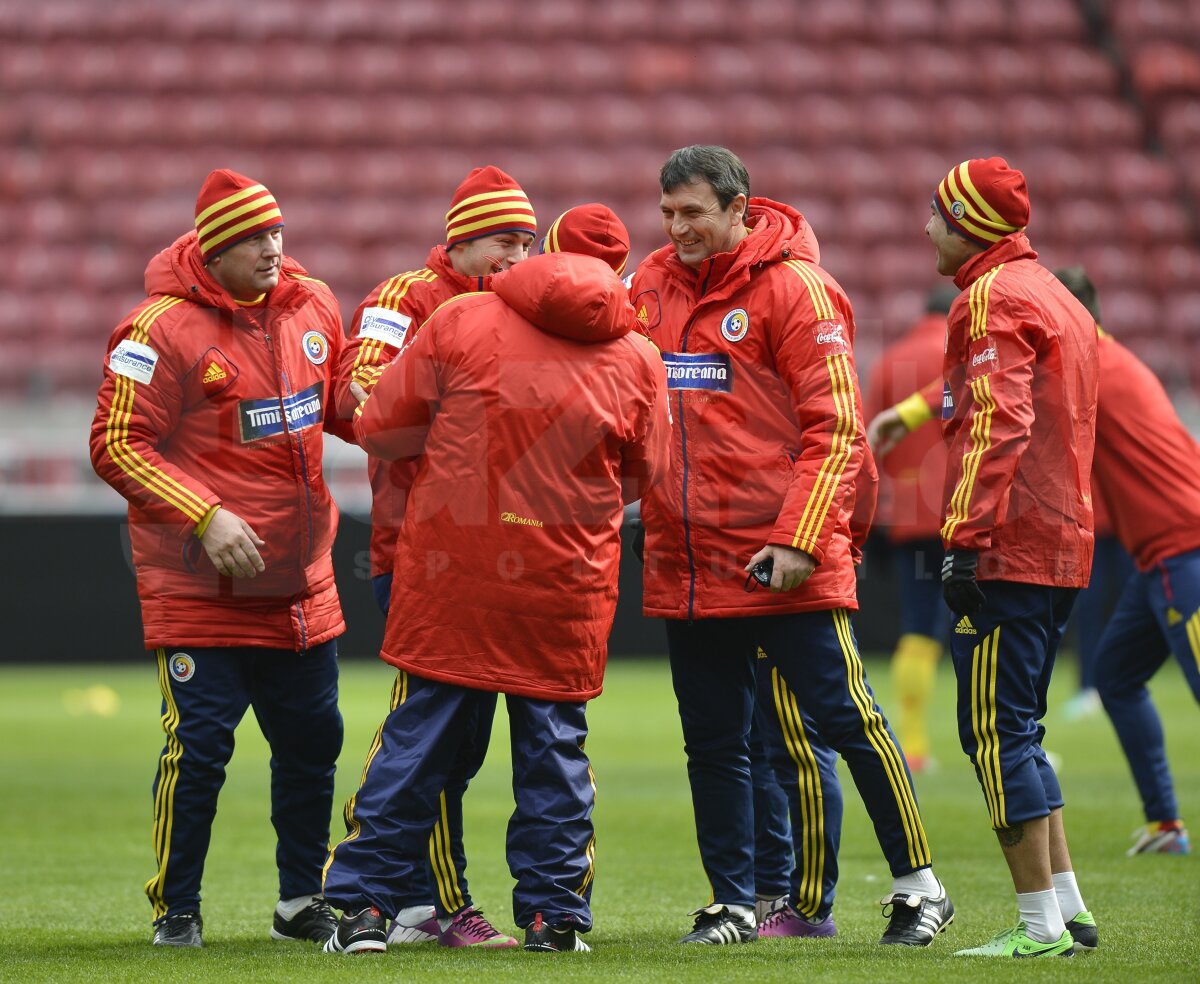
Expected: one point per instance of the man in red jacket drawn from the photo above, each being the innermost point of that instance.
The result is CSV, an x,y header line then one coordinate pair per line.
x,y
1019,411
1147,471
910,515
209,422
490,226
533,412
765,466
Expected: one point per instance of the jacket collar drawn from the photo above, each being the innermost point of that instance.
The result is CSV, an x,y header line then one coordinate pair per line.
x,y
1015,246
439,262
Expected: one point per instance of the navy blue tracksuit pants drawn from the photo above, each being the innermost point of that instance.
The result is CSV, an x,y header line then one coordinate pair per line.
x,y
817,672
444,881
1158,615
1003,659
417,756
206,692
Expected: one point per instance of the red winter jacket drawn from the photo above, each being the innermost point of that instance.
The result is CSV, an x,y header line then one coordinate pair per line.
x,y
1020,420
768,438
208,402
910,495
1147,466
377,332
534,412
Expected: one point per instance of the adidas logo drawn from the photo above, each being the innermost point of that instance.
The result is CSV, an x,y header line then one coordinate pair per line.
x,y
1173,617
642,313
761,654
965,627
214,373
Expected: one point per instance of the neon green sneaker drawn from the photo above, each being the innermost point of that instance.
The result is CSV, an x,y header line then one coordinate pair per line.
x,y
1083,931
1016,943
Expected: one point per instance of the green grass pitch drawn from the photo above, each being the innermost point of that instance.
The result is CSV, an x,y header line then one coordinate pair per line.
x,y
77,752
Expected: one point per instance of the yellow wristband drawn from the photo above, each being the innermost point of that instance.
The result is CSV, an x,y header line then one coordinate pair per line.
x,y
913,411
203,524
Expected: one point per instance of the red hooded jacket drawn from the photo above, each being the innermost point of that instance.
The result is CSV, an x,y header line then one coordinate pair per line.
x,y
377,332
768,440
1019,415
535,411
910,493
1147,466
207,402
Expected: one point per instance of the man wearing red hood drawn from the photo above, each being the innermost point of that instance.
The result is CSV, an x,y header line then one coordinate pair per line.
x,y
490,226
532,412
767,458
209,422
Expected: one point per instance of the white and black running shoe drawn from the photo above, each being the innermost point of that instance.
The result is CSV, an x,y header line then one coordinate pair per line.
x,y
364,931
915,919
718,925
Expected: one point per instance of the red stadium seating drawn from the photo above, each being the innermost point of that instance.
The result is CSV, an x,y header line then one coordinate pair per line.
x,y
366,114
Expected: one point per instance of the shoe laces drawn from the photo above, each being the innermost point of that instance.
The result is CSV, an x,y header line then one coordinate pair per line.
x,y
322,908
776,917
472,921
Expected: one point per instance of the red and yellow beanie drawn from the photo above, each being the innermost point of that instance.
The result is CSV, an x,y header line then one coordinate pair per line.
x,y
983,200
488,202
230,208
593,230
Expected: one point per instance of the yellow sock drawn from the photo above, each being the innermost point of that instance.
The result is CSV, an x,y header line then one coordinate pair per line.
x,y
914,671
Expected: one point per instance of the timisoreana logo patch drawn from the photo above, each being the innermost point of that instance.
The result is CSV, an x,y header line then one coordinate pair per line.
x,y
698,371
274,416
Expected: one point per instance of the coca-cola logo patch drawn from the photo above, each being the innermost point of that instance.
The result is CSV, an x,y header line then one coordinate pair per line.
x,y
830,337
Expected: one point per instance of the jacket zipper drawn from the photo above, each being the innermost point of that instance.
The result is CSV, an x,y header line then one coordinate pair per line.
x,y
286,386
687,526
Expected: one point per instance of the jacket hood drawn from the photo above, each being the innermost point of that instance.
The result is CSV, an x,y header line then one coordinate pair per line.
x,y
178,271
568,294
1015,246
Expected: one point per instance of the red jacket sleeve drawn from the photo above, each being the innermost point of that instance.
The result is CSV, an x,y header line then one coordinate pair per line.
x,y
865,497
990,374
815,362
377,333
644,461
137,409
395,419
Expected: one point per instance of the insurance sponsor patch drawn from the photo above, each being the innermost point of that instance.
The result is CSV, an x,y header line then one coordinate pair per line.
x,y
698,371
384,325
274,416
134,360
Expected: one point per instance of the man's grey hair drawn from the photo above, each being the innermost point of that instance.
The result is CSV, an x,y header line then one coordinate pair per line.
x,y
721,168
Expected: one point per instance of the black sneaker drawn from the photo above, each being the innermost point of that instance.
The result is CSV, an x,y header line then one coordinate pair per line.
x,y
718,924
315,922
364,931
179,929
915,919
1083,931
541,937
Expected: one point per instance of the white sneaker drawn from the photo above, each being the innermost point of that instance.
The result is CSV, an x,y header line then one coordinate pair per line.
x,y
416,924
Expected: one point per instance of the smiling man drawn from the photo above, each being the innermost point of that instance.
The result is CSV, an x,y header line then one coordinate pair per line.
x,y
768,458
1018,408
209,423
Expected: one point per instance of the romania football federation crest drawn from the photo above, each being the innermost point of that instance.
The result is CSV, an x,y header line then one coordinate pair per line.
x,y
183,667
735,325
315,347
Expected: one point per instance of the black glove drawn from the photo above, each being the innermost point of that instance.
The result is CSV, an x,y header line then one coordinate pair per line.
x,y
959,587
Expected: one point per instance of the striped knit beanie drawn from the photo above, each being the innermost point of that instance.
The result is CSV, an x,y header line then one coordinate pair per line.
x,y
488,202
230,208
593,230
983,200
